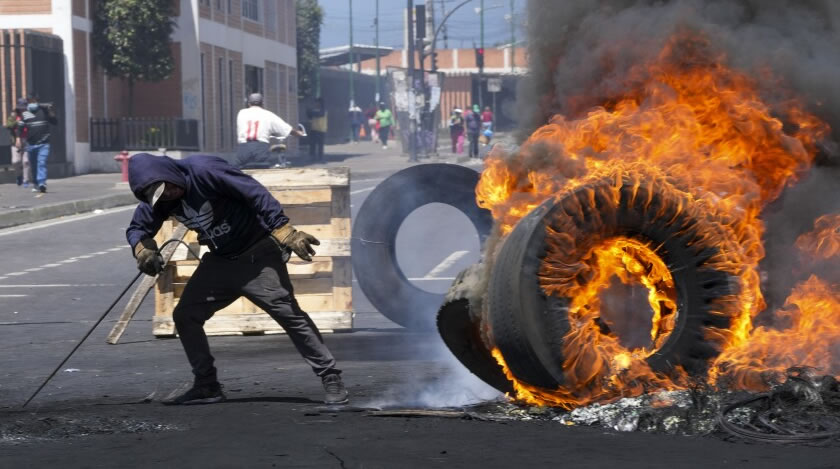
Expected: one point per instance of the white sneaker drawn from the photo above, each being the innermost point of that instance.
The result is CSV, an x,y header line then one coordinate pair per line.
x,y
384,147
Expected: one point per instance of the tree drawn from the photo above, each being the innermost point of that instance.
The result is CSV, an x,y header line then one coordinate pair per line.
x,y
310,17
132,40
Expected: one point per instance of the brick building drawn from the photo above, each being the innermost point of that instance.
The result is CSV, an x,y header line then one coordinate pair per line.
x,y
461,86
223,50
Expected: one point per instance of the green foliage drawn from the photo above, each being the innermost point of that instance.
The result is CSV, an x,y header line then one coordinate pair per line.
x,y
132,39
310,17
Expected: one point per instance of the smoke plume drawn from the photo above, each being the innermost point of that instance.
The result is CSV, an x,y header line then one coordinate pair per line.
x,y
580,52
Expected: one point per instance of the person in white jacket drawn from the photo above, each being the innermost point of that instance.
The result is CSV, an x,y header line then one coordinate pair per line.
x,y
255,126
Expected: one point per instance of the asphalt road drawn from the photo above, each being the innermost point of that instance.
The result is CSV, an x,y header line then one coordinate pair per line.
x,y
102,409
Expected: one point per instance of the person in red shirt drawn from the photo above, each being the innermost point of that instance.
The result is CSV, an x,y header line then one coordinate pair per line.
x,y
487,124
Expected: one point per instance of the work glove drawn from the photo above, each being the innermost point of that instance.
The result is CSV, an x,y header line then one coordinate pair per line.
x,y
149,260
298,241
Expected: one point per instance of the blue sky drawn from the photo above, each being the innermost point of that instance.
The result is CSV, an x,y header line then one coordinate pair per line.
x,y
463,25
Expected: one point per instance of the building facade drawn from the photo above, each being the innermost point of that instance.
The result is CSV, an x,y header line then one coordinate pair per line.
x,y
223,50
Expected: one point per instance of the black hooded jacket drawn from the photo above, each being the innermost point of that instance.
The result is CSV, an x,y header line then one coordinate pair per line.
x,y
228,209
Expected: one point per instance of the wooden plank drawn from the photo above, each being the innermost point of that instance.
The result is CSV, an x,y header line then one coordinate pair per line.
x,y
278,179
342,284
252,324
322,196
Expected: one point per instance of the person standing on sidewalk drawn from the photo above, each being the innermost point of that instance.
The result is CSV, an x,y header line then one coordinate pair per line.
x,y
20,160
255,126
317,130
37,119
456,129
385,119
250,240
473,125
356,120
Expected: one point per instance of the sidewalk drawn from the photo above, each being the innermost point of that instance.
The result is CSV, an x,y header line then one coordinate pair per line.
x,y
89,192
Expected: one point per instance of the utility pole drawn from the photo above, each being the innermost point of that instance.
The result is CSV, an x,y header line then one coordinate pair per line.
x,y
376,42
412,102
481,69
352,90
445,29
512,41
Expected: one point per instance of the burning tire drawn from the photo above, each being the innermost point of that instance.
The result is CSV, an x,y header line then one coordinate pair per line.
x,y
375,233
548,249
459,325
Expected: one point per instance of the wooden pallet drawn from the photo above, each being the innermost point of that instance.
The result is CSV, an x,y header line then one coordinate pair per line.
x,y
316,201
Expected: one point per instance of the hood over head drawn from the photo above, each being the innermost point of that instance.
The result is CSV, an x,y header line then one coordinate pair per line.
x,y
145,169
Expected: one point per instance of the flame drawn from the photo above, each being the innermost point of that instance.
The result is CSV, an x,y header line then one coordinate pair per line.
x,y
701,133
824,241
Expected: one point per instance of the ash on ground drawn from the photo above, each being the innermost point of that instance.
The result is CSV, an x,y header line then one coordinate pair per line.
x,y
804,409
673,412
33,427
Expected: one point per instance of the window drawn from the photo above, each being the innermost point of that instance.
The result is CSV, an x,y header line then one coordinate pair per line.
x,y
220,5
251,9
253,80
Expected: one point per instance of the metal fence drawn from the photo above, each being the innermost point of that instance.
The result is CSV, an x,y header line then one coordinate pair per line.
x,y
143,133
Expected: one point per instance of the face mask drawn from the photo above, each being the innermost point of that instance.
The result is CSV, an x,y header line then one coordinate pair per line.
x,y
32,107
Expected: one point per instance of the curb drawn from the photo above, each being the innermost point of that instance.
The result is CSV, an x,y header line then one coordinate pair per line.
x,y
73,207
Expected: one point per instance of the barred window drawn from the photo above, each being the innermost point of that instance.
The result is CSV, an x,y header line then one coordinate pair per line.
x,y
251,9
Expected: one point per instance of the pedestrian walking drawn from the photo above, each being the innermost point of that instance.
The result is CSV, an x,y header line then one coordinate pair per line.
x,y
472,122
356,120
385,119
317,130
456,130
17,134
37,119
250,240
487,125
372,129
255,126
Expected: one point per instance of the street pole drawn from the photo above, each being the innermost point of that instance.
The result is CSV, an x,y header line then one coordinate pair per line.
x,y
412,103
352,90
376,42
512,43
481,69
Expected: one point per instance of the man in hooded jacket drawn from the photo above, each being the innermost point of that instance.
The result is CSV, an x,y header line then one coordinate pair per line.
x,y
250,239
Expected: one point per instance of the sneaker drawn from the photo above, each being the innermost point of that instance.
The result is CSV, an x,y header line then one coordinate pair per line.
x,y
42,189
19,180
34,189
336,394
384,147
206,394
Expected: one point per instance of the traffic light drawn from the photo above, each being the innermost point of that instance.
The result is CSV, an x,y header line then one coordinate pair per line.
x,y
479,58
434,60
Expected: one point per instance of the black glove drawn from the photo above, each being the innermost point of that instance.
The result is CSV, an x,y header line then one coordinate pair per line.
x,y
298,241
149,260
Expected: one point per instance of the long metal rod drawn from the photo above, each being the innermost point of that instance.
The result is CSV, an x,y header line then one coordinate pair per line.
x,y
79,344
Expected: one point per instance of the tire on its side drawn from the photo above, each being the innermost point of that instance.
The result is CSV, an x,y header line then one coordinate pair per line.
x,y
528,326
375,232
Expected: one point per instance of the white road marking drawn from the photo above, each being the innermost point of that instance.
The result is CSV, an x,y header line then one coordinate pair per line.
x,y
446,263
34,269
359,191
12,296
116,249
423,279
3,278
35,226
356,181
50,265
59,285
15,274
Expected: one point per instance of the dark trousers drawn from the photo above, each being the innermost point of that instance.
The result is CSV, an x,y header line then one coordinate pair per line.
x,y
384,132
473,144
354,130
316,144
259,275
254,154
